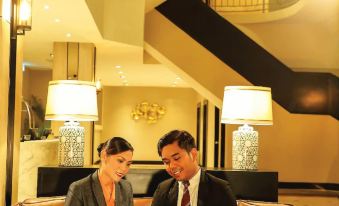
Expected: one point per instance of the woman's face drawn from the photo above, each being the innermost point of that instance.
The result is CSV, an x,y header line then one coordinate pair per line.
x,y
116,166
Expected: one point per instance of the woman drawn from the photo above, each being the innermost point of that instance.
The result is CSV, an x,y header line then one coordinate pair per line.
x,y
106,186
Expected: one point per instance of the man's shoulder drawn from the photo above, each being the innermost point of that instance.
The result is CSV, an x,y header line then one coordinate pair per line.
x,y
211,179
218,190
167,183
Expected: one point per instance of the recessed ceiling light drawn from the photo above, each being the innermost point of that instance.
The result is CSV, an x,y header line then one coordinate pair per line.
x,y
178,78
118,66
122,76
68,34
46,7
120,72
56,20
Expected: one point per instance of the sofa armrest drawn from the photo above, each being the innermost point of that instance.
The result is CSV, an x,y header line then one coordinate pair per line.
x,y
146,201
259,203
43,201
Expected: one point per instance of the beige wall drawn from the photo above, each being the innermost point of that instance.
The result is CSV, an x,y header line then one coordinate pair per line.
x,y
300,147
35,82
4,72
118,103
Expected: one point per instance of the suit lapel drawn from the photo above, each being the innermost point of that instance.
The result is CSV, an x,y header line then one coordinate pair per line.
x,y
118,200
173,194
203,189
99,194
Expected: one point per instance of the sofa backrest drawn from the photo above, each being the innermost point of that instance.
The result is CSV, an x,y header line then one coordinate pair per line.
x,y
60,201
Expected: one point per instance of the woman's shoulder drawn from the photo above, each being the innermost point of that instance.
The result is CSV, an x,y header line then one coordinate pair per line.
x,y
125,185
125,182
82,182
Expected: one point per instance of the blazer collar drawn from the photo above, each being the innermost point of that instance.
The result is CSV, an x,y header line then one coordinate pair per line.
x,y
118,200
96,187
203,189
173,194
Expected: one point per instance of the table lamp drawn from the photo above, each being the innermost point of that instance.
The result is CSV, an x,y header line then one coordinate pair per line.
x,y
247,105
71,101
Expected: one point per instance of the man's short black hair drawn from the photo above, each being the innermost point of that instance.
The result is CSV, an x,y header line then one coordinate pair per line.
x,y
184,139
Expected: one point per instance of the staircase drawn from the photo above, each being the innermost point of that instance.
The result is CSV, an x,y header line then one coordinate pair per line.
x,y
297,92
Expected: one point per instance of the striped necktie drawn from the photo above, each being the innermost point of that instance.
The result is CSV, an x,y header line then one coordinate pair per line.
x,y
185,201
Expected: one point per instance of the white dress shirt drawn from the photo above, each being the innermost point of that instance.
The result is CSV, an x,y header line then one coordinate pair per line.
x,y
193,189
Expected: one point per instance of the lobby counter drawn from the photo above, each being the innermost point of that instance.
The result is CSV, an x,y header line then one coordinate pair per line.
x,y
34,154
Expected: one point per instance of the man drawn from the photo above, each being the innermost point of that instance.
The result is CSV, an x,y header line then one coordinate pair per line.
x,y
190,185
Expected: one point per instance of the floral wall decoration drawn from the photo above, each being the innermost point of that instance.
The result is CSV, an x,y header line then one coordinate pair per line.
x,y
151,112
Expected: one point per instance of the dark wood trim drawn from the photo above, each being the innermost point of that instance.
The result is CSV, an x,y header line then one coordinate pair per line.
x,y
94,150
216,135
308,185
67,73
222,145
78,62
11,115
95,64
141,162
147,162
92,142
198,125
204,133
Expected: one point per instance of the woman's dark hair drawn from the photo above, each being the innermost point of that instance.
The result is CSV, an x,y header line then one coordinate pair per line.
x,y
184,139
115,145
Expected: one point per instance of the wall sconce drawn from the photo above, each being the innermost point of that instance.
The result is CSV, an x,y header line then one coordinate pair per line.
x,y
98,86
246,105
6,10
21,17
148,111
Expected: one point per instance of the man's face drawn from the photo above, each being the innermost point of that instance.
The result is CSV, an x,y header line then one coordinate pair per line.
x,y
179,163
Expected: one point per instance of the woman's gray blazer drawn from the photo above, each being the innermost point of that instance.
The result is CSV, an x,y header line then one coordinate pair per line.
x,y
88,192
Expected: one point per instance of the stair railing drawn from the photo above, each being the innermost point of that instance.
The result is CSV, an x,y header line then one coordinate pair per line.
x,y
249,5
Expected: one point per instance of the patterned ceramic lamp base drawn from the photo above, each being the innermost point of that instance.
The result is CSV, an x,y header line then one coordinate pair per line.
x,y
71,145
245,149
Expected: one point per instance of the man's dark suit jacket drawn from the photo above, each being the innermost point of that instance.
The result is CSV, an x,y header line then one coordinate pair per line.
x,y
88,192
212,192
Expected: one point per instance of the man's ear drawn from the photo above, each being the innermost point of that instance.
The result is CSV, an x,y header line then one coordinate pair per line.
x,y
194,154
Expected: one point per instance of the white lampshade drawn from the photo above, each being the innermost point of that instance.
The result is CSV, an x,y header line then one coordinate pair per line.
x,y
247,105
71,100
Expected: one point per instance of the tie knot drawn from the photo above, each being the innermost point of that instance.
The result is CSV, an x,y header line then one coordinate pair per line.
x,y
186,184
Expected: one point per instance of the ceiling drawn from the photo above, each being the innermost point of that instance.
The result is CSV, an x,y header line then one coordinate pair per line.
x,y
306,41
55,22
